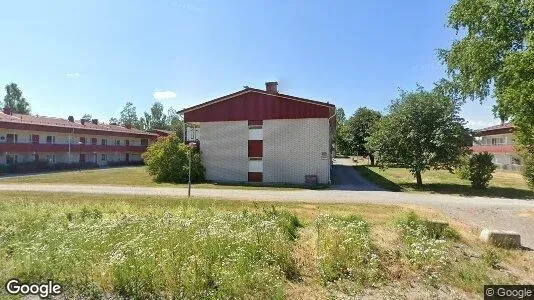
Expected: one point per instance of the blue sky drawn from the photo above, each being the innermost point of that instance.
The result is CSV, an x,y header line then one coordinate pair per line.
x,y
76,57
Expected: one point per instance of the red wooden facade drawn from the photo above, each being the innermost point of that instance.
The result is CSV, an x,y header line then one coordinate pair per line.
x,y
257,105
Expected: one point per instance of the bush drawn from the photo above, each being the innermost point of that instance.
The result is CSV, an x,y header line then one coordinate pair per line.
x,y
528,167
167,160
462,169
481,168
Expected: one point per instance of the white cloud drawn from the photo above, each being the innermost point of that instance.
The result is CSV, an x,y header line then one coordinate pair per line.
x,y
72,74
162,95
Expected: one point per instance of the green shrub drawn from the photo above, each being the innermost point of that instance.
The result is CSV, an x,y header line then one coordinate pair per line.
x,y
345,251
481,168
527,168
167,160
462,169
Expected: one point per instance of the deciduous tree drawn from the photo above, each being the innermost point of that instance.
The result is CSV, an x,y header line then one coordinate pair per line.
x,y
359,128
494,57
128,116
422,131
14,101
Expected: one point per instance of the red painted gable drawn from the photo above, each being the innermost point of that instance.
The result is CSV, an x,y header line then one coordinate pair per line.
x,y
253,105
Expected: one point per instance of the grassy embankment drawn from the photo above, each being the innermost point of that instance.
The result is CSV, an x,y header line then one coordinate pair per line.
x,y
503,184
129,176
139,247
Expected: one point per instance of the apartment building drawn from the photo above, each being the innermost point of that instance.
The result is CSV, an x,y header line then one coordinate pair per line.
x,y
263,136
27,138
499,141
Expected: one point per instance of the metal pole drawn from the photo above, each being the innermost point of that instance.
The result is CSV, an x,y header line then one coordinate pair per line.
x,y
189,185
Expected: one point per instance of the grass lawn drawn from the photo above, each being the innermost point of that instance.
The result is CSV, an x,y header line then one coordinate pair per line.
x,y
503,184
155,247
129,176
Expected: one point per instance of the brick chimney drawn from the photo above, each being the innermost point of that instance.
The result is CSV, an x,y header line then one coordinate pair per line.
x,y
271,87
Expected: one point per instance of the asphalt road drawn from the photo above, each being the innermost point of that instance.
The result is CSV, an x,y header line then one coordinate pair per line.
x,y
349,187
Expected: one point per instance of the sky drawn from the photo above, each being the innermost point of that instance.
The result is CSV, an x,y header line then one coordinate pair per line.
x,y
77,57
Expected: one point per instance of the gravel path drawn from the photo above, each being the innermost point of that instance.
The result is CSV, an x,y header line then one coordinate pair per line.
x,y
497,213
349,187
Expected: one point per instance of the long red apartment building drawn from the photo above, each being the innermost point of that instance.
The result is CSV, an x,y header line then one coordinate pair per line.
x,y
26,138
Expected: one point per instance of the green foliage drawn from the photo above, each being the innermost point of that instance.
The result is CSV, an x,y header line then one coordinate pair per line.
x,y
86,117
128,116
155,119
341,135
480,169
496,55
167,160
346,253
423,130
128,253
14,101
528,167
359,128
462,169
491,258
429,229
424,244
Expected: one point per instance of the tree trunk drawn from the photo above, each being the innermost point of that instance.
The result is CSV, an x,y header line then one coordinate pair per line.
x,y
372,158
418,178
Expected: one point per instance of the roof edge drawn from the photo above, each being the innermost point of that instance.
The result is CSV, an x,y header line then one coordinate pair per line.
x,y
248,90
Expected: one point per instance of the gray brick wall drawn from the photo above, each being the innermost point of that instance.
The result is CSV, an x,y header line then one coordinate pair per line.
x,y
224,147
293,149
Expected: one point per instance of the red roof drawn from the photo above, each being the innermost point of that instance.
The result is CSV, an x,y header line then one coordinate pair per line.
x,y
255,104
493,148
19,121
162,132
496,129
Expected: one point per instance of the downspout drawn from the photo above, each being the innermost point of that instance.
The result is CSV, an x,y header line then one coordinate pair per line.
x,y
330,148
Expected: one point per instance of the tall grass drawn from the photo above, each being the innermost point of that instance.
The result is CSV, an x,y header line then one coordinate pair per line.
x,y
345,252
185,253
425,244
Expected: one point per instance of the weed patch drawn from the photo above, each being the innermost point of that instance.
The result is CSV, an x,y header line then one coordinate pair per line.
x,y
188,253
346,255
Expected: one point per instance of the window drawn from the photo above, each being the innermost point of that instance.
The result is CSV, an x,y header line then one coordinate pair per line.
x,y
127,142
104,142
94,141
117,142
50,139
11,138
497,141
255,165
103,157
35,138
82,140
144,142
255,133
